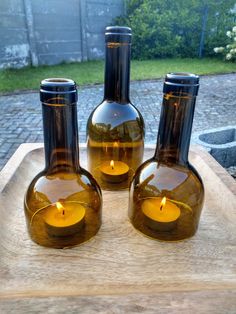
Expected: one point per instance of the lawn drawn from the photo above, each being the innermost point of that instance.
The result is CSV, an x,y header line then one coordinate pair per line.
x,y
92,72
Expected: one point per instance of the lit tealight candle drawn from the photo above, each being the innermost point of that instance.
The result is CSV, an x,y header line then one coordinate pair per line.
x,y
64,219
114,171
160,214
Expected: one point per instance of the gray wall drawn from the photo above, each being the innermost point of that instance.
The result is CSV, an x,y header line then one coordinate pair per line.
x,y
49,32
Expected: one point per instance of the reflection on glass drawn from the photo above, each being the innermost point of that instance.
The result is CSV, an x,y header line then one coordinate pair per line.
x,y
63,202
166,193
115,129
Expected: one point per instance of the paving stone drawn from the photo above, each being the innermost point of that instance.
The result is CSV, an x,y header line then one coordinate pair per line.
x,y
20,114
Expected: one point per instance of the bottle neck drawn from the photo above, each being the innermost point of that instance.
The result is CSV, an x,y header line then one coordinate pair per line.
x,y
175,128
60,137
117,72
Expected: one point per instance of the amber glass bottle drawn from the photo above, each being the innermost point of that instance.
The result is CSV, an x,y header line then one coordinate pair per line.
x,y
63,202
115,129
166,194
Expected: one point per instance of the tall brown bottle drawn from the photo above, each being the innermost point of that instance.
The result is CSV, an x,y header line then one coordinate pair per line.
x,y
63,202
115,129
166,193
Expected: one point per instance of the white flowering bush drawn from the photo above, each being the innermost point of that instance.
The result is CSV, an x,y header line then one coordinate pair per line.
x,y
230,50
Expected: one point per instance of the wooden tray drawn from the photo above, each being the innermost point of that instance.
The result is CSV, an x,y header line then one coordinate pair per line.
x,y
120,270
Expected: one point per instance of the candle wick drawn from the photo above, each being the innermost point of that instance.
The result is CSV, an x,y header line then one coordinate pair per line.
x,y
161,207
63,212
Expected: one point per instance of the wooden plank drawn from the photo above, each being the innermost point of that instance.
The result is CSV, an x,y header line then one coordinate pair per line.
x,y
118,269
197,302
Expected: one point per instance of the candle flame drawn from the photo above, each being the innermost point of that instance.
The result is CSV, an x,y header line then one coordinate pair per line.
x,y
112,164
60,208
116,145
163,202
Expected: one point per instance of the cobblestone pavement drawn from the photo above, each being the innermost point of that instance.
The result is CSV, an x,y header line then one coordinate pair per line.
x,y
21,121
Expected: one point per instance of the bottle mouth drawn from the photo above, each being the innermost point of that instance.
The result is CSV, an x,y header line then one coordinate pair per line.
x,y
58,88
118,34
181,82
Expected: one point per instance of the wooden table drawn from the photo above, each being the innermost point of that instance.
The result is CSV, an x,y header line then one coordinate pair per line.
x,y
120,270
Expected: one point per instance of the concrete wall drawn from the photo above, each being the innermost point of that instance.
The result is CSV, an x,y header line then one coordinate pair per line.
x,y
98,15
14,45
49,32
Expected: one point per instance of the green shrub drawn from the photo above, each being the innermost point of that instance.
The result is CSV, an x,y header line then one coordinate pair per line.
x,y
229,51
167,28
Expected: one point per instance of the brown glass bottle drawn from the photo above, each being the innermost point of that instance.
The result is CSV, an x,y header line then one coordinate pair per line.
x,y
167,193
115,129
63,202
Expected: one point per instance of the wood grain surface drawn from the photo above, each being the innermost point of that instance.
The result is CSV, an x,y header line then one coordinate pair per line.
x,y
119,270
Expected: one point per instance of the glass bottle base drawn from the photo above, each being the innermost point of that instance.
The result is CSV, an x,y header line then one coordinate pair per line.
x,y
164,236
46,233
63,242
183,228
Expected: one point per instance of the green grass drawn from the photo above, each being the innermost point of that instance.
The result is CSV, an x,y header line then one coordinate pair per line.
x,y
92,72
